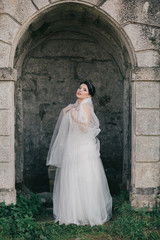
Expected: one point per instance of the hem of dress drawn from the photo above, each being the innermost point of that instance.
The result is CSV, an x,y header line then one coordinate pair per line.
x,y
80,224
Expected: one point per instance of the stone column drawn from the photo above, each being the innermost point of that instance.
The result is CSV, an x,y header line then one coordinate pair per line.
x,y
146,137
7,155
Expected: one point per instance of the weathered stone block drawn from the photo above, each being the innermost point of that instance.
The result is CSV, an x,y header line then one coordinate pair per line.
x,y
4,54
4,95
147,122
148,12
8,28
6,92
143,37
5,125
148,58
147,95
147,149
140,11
8,74
146,74
138,200
147,175
41,3
28,82
4,149
20,10
113,8
7,175
130,11
8,196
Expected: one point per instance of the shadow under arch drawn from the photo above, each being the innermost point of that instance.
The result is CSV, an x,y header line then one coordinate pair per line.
x,y
92,46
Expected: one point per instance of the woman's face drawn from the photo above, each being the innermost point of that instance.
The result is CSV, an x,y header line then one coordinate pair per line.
x,y
82,92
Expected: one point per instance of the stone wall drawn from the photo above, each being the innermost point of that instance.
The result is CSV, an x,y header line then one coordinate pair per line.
x,y
7,168
146,152
51,75
129,31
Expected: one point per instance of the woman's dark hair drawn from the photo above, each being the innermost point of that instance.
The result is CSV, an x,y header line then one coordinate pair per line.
x,y
91,87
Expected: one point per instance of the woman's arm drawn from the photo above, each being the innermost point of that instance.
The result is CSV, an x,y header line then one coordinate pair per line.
x,y
82,118
69,107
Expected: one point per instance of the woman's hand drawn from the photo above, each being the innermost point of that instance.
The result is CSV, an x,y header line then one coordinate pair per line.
x,y
66,109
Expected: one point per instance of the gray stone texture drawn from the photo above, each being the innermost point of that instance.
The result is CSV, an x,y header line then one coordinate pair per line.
x,y
127,11
8,33
7,166
141,11
4,95
146,74
41,3
147,122
143,36
4,54
5,126
147,175
113,8
148,58
8,196
7,177
19,10
147,95
5,149
8,74
147,149
144,200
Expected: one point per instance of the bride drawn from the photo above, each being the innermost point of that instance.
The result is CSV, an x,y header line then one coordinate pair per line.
x,y
81,194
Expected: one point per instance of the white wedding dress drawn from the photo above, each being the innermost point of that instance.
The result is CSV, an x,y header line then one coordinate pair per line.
x,y
81,194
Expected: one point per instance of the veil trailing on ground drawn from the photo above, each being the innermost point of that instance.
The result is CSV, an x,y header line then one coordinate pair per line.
x,y
74,126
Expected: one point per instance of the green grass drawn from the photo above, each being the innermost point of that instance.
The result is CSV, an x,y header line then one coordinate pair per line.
x,y
28,220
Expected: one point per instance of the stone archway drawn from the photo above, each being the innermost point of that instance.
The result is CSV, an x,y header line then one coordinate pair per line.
x,y
81,45
133,32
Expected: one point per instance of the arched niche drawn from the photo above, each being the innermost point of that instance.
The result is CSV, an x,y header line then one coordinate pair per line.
x,y
62,46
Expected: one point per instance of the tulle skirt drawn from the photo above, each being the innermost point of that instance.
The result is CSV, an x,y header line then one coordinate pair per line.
x,y
81,194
